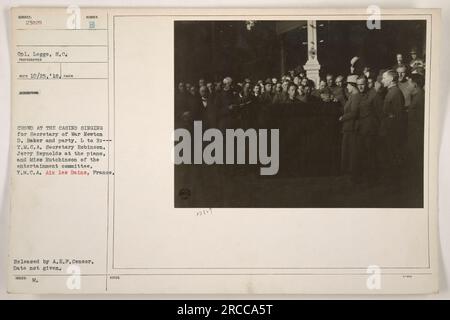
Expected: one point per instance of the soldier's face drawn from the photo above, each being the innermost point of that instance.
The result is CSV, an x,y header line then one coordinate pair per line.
x,y
399,58
268,87
181,87
370,83
413,56
386,80
401,73
339,82
350,88
322,85
329,81
361,84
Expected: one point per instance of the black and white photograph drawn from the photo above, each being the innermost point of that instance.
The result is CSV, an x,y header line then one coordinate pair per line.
x,y
288,150
299,114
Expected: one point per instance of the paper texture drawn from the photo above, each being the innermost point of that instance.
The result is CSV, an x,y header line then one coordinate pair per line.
x,y
98,205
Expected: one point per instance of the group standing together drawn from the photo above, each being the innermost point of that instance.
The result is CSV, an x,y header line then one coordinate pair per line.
x,y
382,117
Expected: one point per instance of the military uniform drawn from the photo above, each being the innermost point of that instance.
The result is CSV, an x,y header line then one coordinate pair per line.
x,y
405,89
339,95
369,114
349,119
416,115
390,126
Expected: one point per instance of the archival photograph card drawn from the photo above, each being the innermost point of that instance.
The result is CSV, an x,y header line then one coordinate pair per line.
x,y
224,151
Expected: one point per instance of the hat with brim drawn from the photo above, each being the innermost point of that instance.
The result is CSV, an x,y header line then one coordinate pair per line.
x,y
352,79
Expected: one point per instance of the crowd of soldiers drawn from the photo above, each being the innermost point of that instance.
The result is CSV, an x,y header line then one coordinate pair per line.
x,y
381,116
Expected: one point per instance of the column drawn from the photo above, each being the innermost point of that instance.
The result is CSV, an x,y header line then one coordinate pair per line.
x,y
312,66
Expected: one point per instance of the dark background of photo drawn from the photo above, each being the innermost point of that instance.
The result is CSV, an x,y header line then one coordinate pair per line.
x,y
215,49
